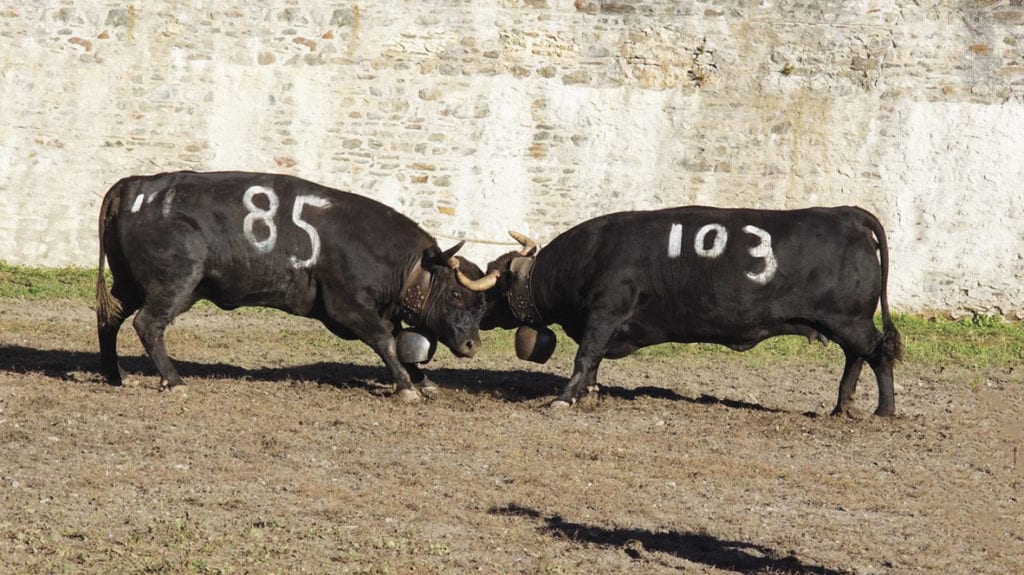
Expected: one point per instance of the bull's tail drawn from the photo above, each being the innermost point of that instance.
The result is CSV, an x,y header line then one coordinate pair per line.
x,y
891,344
108,307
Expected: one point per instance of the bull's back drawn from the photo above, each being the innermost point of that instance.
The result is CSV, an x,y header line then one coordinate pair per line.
x,y
259,239
700,271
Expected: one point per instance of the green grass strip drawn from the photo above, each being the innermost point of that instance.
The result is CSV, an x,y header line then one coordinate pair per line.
x,y
33,283
975,342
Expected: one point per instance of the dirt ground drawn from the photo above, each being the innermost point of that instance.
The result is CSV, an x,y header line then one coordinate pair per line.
x,y
285,454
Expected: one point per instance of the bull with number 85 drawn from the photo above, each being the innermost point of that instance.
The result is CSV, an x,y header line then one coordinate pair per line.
x,y
245,239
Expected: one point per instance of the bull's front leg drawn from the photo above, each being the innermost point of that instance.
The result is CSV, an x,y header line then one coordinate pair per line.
x,y
386,348
611,308
377,334
584,376
419,379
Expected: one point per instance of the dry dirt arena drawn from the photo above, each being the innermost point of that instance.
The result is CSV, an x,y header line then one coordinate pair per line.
x,y
286,455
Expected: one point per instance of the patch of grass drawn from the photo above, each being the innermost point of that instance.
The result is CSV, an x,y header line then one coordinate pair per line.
x,y
980,341
974,343
23,282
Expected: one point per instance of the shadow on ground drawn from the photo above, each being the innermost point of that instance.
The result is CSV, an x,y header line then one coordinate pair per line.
x,y
664,393
738,556
66,365
512,386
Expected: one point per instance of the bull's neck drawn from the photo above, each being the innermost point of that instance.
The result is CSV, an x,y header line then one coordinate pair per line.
x,y
415,292
520,296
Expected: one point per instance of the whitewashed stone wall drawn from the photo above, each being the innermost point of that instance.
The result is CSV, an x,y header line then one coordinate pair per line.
x,y
474,117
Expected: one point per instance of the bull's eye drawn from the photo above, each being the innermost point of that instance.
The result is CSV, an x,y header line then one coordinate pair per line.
x,y
456,295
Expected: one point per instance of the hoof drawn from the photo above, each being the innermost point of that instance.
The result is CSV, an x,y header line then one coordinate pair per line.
x,y
850,411
132,381
115,377
560,404
179,388
408,395
429,389
885,412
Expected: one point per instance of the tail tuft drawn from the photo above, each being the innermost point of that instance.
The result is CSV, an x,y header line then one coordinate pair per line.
x,y
108,307
891,345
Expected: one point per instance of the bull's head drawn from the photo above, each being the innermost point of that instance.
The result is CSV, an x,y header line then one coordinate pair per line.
x,y
499,312
454,303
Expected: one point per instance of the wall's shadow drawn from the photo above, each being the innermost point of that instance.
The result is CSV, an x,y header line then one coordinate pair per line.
x,y
738,556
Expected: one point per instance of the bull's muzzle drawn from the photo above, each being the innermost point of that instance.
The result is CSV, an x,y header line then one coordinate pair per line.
x,y
468,348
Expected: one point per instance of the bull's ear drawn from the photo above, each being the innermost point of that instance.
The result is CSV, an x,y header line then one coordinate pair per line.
x,y
433,256
448,253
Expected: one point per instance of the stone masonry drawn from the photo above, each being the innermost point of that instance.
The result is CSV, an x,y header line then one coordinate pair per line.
x,y
477,116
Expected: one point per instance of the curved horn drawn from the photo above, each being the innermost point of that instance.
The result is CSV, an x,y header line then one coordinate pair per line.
x,y
529,245
483,284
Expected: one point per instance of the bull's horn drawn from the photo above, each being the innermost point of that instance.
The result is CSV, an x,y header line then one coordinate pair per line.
x,y
529,245
483,284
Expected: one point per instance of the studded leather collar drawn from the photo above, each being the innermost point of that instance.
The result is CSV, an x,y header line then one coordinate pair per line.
x,y
416,291
520,296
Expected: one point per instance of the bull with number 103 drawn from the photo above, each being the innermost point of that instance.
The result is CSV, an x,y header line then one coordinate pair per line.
x,y
247,239
734,277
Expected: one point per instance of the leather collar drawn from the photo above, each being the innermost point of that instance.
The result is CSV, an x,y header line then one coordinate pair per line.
x,y
520,295
417,287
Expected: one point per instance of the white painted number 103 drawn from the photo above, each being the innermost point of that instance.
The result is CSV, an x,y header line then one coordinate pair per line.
x,y
266,217
719,238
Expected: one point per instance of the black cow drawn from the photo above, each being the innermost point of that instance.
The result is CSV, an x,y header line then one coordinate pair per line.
x,y
245,239
624,281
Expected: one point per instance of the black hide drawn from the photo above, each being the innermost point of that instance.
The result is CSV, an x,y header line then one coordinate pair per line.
x,y
624,281
245,239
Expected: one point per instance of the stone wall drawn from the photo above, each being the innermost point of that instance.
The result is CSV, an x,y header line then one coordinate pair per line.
x,y
474,117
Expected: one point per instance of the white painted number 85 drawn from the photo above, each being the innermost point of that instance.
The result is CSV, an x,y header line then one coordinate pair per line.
x,y
267,215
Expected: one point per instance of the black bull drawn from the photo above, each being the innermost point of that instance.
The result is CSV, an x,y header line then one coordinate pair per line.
x,y
624,281
240,239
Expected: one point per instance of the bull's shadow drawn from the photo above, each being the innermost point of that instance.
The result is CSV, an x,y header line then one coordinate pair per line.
x,y
702,548
64,365
513,386
668,394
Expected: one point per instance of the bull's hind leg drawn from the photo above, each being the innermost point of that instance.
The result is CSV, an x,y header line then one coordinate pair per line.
x,y
108,328
150,326
882,366
162,305
861,341
110,367
848,384
127,294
